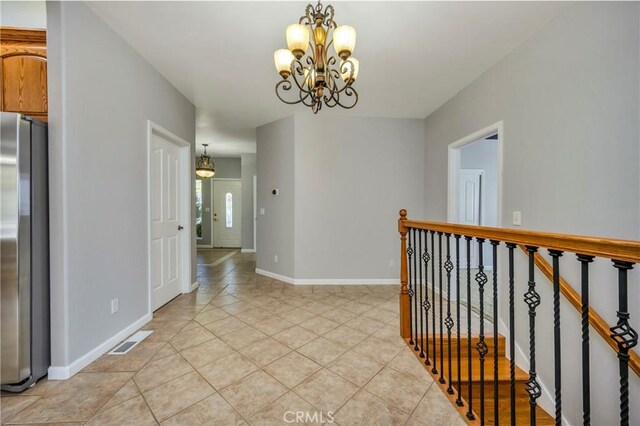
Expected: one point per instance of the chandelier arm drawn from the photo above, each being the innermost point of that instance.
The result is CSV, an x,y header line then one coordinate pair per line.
x,y
349,92
285,85
295,79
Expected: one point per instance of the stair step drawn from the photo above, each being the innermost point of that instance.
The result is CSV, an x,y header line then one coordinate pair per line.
x,y
464,345
503,369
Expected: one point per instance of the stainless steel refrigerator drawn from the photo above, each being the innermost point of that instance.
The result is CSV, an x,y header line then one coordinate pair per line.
x,y
24,252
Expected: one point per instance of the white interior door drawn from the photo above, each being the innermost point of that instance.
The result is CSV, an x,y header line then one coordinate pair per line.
x,y
470,206
227,213
166,226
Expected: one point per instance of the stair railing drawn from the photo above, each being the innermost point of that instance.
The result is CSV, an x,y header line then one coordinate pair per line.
x,y
425,244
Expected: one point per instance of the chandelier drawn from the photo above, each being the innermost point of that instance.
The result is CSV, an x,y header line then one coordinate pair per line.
x,y
205,168
316,73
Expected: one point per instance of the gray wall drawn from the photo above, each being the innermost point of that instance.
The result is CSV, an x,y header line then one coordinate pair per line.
x,y
23,14
249,170
352,177
275,163
101,95
569,100
226,168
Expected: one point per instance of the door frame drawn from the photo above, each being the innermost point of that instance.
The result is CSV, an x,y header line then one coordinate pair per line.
x,y
213,184
454,168
187,183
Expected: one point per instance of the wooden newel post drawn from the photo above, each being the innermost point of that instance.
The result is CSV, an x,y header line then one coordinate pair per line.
x,y
405,306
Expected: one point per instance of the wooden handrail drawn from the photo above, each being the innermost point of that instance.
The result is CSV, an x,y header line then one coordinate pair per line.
x,y
596,321
625,250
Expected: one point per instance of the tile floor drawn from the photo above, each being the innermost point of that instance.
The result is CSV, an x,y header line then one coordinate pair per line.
x,y
246,349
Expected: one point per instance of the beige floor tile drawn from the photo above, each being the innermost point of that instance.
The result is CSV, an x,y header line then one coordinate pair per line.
x,y
346,336
339,315
407,363
228,370
296,315
292,369
158,372
207,352
322,350
131,412
134,360
285,410
176,395
295,337
355,307
12,405
128,391
367,409
265,351
377,350
190,338
365,325
213,410
42,387
355,368
319,325
166,351
74,400
252,393
435,410
208,316
326,391
243,337
273,325
397,389
163,331
224,326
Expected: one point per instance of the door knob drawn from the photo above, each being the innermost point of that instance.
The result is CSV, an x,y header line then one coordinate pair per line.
x,y
180,227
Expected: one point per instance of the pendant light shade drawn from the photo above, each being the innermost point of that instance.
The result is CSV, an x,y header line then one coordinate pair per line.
x,y
205,167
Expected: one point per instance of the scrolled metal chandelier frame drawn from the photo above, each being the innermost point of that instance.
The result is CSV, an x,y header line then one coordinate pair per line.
x,y
319,76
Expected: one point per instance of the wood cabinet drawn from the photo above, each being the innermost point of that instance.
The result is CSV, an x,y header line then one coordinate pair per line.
x,y
23,71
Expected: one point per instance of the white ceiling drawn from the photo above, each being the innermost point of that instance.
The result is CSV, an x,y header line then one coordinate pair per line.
x,y
413,56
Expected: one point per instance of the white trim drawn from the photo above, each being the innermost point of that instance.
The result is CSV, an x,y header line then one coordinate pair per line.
x,y
194,286
226,179
255,212
187,181
65,372
204,246
248,251
337,281
454,165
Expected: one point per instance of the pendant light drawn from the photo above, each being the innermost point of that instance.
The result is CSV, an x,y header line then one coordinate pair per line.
x,y
205,168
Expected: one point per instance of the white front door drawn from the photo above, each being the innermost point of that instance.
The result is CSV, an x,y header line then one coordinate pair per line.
x,y
470,207
166,226
227,216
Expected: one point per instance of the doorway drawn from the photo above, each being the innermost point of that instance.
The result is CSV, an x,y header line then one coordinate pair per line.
x,y
169,195
227,213
475,195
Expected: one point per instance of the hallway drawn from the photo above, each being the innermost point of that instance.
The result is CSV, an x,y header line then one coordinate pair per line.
x,y
246,349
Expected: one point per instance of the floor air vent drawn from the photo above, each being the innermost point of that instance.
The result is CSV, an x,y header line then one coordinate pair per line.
x,y
130,343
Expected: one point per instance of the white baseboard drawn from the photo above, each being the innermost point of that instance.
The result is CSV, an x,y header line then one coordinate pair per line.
x,y
193,286
65,372
338,281
248,251
204,246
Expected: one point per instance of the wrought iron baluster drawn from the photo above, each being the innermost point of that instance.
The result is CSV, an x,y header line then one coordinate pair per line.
x,y
441,379
410,284
426,305
625,336
459,402
512,337
494,246
415,291
586,367
448,266
470,415
557,353
434,369
532,298
481,346
419,258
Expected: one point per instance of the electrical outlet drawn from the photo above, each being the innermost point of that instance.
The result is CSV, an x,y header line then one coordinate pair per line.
x,y
262,211
392,263
517,218
114,306
275,258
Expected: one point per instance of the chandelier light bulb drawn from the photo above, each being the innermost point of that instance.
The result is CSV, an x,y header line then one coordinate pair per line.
x,y
344,40
283,59
297,39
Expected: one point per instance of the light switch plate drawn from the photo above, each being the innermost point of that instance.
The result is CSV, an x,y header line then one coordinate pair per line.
x,y
517,218
262,211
